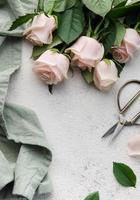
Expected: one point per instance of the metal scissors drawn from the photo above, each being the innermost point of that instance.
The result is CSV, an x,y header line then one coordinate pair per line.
x,y
116,128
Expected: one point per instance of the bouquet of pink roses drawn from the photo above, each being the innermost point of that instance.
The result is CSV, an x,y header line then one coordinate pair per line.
x,y
98,37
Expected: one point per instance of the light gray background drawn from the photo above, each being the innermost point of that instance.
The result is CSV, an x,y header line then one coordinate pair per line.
x,y
74,119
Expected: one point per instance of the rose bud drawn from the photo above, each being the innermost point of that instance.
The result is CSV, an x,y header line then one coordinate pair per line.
x,y
105,74
86,52
40,31
129,45
51,67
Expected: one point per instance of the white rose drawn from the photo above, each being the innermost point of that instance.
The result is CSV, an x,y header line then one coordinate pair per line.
x,y
40,31
105,74
87,52
130,44
51,67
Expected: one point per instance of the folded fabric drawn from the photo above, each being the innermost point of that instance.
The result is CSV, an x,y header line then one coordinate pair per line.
x,y
134,146
24,155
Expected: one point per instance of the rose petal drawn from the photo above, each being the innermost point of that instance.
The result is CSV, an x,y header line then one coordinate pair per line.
x,y
134,146
105,74
132,38
52,66
120,54
40,32
87,51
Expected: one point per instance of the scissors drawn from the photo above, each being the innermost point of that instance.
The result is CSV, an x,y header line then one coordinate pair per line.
x,y
117,127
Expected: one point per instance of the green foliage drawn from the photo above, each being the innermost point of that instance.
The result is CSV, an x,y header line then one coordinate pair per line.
x,y
119,2
50,88
109,39
114,34
133,2
123,11
40,6
124,175
22,20
88,76
71,24
37,51
120,66
100,7
93,196
58,5
120,33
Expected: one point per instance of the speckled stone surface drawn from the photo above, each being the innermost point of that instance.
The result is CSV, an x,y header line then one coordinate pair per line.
x,y
74,118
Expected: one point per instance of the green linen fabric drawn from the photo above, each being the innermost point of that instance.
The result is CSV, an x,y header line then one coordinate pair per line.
x,y
24,155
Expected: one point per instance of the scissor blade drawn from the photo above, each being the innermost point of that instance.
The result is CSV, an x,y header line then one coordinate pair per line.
x,y
117,131
110,131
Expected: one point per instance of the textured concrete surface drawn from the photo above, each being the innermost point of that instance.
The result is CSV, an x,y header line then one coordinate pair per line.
x,y
74,118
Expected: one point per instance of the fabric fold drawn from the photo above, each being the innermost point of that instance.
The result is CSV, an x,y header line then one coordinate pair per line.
x,y
6,171
24,153
29,172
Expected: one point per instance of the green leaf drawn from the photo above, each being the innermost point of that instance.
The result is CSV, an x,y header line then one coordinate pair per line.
x,y
124,10
37,51
93,196
120,66
56,42
50,88
110,38
58,5
40,6
21,20
70,3
55,5
133,1
88,76
124,175
100,7
119,2
120,33
71,24
132,19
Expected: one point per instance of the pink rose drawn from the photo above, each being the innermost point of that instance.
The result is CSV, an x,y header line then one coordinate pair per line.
x,y
40,31
134,146
51,67
86,52
105,74
130,44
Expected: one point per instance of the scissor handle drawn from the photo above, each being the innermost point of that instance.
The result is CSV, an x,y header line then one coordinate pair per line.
x,y
131,101
135,118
